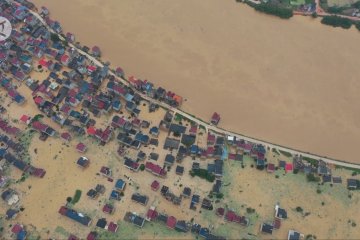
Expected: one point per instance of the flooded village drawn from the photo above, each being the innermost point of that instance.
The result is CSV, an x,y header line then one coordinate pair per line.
x,y
86,156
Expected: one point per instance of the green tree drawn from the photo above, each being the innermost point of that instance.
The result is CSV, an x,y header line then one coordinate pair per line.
x,y
54,37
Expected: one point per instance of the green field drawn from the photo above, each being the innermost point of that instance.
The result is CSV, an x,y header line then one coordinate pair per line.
x,y
297,2
340,3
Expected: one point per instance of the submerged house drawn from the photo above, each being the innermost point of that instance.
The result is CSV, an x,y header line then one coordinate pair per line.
x,y
74,215
142,199
215,119
10,196
155,169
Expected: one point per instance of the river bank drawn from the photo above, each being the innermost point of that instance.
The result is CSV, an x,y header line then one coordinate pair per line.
x,y
274,70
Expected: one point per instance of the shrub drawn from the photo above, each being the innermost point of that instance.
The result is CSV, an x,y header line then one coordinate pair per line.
x,y
356,4
142,167
204,174
268,8
312,161
335,9
337,21
219,195
299,209
250,210
312,178
54,37
76,197
286,154
357,25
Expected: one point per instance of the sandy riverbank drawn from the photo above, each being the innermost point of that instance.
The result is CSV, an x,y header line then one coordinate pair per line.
x,y
290,82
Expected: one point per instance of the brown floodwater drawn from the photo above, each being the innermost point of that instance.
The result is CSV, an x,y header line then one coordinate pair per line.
x,y
292,82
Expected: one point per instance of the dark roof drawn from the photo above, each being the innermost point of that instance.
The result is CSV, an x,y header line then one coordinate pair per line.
x,y
219,167
142,199
164,190
139,221
177,128
101,223
10,213
293,235
83,162
181,226
195,228
281,213
179,169
267,228
353,184
120,184
154,141
206,204
169,159
337,180
92,193
162,217
326,178
282,164
171,143
214,237
195,165
217,186
187,191
154,156
195,198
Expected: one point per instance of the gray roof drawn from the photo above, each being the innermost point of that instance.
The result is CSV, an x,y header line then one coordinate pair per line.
x,y
171,143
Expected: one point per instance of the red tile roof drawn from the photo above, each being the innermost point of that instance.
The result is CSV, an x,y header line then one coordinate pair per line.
x,y
81,147
91,68
108,209
288,167
171,222
155,185
66,136
73,237
38,100
91,131
24,118
112,227
277,223
220,212
39,126
271,167
155,169
151,214
64,58
16,228
215,117
43,62
91,236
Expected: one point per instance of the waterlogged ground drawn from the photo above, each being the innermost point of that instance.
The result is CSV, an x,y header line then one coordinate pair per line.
x,y
327,213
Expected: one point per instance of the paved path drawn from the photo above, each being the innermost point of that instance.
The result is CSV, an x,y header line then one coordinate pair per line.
x,y
209,127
